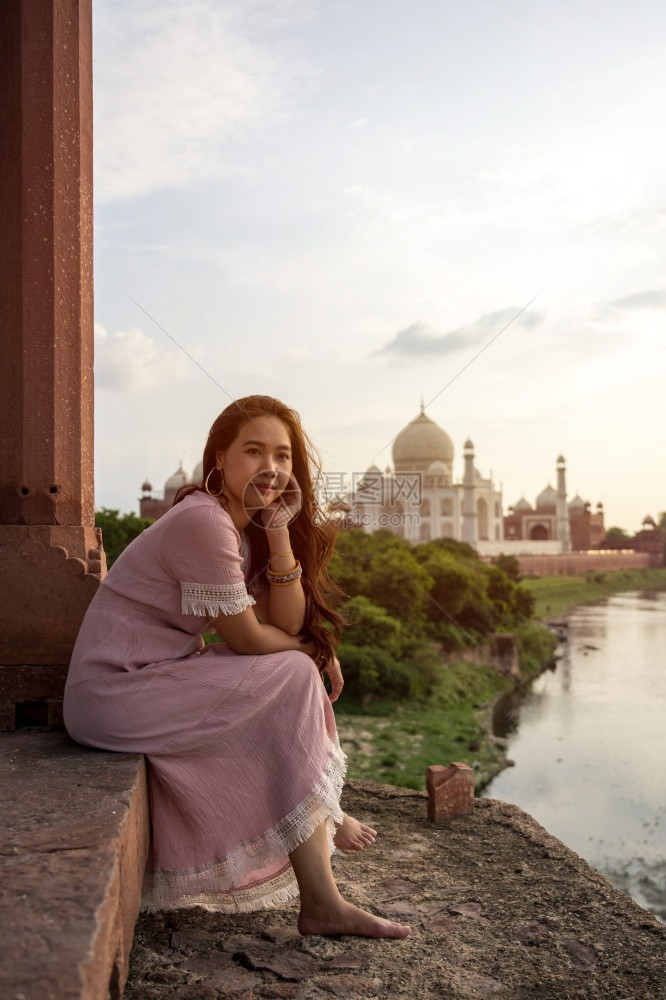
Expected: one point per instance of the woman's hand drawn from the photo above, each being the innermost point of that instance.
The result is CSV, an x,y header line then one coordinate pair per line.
x,y
282,511
334,672
306,646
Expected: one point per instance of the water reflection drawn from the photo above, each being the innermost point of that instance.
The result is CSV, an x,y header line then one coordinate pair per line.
x,y
589,744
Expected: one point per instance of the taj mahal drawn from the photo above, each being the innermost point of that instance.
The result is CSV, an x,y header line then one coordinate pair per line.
x,y
420,500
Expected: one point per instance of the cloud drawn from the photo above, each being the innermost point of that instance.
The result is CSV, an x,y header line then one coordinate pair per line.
x,y
297,356
174,82
130,361
420,341
565,185
651,298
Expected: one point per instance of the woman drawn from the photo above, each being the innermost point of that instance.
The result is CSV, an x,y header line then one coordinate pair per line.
x,y
245,769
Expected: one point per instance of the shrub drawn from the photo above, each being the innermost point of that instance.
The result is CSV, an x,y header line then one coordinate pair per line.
x,y
379,657
118,530
508,565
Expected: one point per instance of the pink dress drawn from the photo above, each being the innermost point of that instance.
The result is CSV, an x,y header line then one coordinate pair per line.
x,y
243,756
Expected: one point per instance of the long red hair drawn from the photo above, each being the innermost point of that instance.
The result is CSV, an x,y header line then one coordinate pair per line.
x,y
312,535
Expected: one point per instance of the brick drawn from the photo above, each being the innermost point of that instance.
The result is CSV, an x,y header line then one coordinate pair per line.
x,y
450,791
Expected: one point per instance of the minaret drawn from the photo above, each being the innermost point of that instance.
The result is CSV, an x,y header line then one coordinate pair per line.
x,y
561,510
469,515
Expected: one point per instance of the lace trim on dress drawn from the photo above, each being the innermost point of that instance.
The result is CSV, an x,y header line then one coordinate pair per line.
x,y
213,599
226,885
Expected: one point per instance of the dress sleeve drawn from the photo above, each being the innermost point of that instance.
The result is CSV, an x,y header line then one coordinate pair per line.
x,y
201,551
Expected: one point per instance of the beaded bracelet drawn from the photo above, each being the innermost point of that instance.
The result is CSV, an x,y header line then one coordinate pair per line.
x,y
291,576
284,583
296,568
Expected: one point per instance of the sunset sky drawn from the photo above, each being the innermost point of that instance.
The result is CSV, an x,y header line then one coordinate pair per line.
x,y
341,203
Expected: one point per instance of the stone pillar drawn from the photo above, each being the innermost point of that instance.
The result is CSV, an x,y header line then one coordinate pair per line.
x,y
51,557
562,528
469,526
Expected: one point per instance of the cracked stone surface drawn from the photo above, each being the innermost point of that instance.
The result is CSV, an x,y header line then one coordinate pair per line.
x,y
498,909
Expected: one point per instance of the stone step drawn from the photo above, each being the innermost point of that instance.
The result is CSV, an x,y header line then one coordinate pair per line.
x,y
73,845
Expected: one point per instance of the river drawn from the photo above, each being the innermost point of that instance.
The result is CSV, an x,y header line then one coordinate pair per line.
x,y
589,744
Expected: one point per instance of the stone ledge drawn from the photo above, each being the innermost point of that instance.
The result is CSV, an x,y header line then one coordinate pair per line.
x,y
498,907
73,845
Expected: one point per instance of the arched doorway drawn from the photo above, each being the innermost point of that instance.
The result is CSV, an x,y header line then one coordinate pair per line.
x,y
539,533
482,518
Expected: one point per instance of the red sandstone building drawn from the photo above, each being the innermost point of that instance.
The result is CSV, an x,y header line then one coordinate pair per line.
x,y
539,523
154,506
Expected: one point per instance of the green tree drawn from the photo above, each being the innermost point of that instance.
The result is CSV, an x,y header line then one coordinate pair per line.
x,y
508,565
397,582
405,598
118,530
513,603
350,560
370,625
661,524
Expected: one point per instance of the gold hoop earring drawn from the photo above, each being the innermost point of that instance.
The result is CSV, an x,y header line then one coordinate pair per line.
x,y
221,490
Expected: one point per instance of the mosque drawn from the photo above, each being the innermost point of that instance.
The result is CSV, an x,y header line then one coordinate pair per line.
x,y
152,506
419,500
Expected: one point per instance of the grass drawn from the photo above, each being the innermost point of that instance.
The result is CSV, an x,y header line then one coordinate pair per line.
x,y
393,742
557,594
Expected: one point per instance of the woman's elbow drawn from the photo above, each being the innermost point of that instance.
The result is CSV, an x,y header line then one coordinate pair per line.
x,y
290,626
242,645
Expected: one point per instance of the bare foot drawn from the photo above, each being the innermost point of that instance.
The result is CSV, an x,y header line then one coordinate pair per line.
x,y
352,835
345,918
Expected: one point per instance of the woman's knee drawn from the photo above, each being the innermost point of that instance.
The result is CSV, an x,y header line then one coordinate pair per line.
x,y
301,668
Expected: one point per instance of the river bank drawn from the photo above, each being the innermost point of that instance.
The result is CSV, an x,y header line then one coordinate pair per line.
x,y
557,595
394,742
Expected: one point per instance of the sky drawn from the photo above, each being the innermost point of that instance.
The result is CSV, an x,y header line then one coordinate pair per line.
x,y
356,205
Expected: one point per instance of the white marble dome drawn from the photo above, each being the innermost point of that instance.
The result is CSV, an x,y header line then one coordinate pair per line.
x,y
547,497
421,443
522,504
174,482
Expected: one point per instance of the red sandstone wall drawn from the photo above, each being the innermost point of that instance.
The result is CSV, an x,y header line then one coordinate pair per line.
x,y
574,563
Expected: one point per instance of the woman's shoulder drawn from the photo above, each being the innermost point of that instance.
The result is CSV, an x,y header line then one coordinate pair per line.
x,y
199,508
192,534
